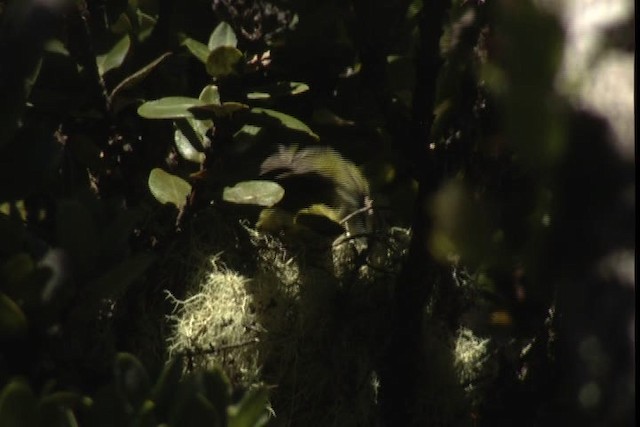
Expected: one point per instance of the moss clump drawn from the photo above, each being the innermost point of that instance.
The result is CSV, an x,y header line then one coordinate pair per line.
x,y
307,323
216,324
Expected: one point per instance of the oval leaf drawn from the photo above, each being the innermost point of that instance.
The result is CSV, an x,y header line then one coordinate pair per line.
x,y
115,57
167,188
286,121
262,193
224,61
223,35
172,107
210,95
197,49
186,150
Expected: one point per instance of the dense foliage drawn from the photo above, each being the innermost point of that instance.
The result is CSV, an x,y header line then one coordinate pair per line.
x,y
299,213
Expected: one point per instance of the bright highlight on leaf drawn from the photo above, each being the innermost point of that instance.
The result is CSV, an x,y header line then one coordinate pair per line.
x,y
262,193
167,188
172,107
223,35
197,49
115,57
186,149
286,121
210,95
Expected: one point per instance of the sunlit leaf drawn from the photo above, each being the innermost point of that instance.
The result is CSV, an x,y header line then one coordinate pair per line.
x,y
56,46
285,120
223,35
185,149
262,193
224,61
210,95
167,188
172,107
195,133
258,95
197,49
115,57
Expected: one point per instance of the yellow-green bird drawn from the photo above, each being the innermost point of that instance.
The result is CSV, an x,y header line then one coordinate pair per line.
x,y
320,175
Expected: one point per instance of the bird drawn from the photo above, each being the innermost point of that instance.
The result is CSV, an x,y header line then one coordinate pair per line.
x,y
321,176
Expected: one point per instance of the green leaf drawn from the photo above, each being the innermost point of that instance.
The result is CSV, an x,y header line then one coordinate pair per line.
x,y
167,188
18,405
13,322
285,120
197,49
139,75
131,380
278,90
56,46
224,61
223,35
146,24
185,149
172,107
196,131
210,95
115,57
251,411
262,193
247,136
122,25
